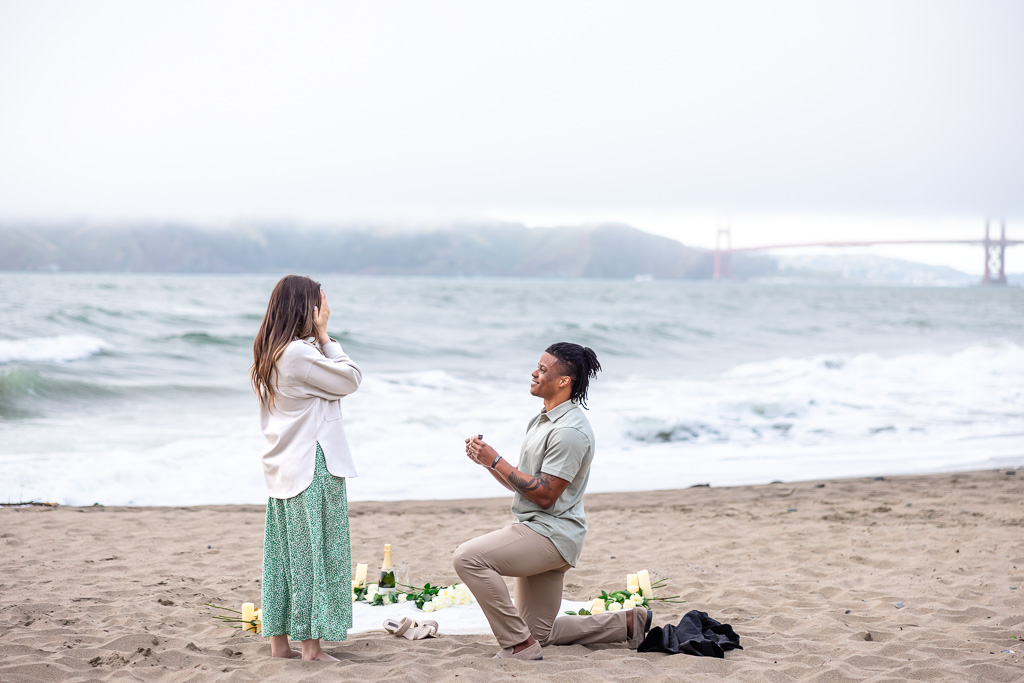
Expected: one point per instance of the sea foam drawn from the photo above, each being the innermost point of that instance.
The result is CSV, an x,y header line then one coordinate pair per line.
x,y
822,399
60,349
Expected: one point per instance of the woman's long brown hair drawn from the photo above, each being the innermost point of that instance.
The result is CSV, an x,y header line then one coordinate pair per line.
x,y
289,317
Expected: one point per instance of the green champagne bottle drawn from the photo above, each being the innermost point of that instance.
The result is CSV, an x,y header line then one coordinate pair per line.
x,y
387,571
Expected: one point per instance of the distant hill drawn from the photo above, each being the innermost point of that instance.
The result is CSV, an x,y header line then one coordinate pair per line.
x,y
600,251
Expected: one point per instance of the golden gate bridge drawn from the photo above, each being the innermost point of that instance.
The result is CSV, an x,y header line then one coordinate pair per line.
x,y
994,248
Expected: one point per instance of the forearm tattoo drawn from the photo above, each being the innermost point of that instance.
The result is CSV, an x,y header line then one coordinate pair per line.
x,y
541,481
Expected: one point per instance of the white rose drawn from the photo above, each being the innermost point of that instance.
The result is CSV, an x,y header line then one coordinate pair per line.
x,y
428,607
615,607
402,597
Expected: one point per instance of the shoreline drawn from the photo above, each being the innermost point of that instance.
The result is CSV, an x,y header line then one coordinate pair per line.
x,y
913,576
1007,464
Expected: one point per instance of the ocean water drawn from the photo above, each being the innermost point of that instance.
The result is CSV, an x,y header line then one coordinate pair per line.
x,y
133,389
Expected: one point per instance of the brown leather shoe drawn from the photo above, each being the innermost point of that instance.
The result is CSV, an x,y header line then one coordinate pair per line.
x,y
532,652
641,617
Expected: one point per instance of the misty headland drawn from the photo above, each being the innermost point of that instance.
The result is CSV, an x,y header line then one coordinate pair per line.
x,y
493,249
484,249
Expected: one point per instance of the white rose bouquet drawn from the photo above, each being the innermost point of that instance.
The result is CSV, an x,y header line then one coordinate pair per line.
x,y
448,596
426,597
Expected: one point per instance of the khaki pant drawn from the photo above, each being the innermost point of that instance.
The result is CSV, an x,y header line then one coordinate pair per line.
x,y
538,568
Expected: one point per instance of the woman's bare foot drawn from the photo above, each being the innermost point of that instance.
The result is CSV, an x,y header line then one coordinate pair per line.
x,y
280,647
311,652
321,657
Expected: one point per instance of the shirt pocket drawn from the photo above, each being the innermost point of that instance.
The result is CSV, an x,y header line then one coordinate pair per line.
x,y
332,410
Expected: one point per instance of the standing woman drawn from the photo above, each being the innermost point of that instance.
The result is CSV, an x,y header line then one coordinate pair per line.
x,y
300,375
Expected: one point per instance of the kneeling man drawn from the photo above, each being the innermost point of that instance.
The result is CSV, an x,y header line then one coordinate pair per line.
x,y
547,537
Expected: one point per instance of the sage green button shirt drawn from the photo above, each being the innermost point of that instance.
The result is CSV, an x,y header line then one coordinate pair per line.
x,y
558,442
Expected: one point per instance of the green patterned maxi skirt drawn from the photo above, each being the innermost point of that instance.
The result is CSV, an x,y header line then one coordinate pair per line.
x,y
307,561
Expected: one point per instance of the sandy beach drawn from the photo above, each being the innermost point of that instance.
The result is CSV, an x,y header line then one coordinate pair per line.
x,y
901,578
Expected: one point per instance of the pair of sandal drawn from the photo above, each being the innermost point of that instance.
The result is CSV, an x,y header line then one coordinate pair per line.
x,y
407,628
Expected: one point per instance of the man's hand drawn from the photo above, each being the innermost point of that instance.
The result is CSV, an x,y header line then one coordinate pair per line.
x,y
479,452
483,455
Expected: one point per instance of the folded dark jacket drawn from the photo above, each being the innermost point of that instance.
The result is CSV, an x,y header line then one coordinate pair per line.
x,y
697,634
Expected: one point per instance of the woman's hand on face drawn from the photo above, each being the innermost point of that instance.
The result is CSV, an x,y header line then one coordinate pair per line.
x,y
479,452
321,314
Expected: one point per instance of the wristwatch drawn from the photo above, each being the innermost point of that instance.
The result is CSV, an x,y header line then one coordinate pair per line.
x,y
495,463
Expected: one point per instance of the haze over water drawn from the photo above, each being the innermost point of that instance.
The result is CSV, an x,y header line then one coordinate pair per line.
x,y
133,389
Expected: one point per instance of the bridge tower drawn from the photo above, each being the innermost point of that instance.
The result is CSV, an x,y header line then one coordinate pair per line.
x,y
723,257
995,256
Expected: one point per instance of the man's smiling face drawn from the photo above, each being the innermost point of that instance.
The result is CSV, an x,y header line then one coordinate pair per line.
x,y
547,378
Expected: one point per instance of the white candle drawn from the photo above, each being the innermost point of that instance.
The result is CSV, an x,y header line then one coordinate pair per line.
x,y
631,581
644,579
248,615
360,575
598,606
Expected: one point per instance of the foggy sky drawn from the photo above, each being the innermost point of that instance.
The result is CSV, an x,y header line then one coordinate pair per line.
x,y
787,119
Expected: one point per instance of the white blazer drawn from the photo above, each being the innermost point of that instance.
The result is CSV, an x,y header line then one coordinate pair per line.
x,y
309,384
